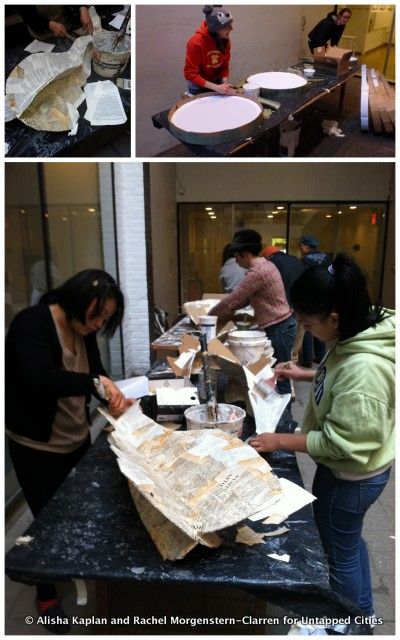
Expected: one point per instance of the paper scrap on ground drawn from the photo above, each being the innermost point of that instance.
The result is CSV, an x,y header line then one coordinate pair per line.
x,y
193,479
44,90
36,47
104,106
292,499
284,558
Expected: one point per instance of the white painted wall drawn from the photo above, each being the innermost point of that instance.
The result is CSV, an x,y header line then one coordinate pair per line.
x,y
310,181
264,38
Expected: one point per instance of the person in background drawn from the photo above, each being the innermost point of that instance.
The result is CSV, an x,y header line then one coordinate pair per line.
x,y
49,21
263,287
231,273
290,267
329,30
52,369
348,425
312,349
208,53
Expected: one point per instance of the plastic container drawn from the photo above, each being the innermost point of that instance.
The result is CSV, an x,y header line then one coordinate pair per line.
x,y
109,63
197,418
208,326
248,346
251,90
309,72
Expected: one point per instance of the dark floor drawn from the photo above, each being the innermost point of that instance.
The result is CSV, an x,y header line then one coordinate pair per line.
x,y
314,143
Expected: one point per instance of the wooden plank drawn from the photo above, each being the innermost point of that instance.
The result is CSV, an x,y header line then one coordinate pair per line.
x,y
373,105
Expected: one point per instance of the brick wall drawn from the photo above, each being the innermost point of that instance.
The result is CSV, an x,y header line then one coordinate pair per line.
x,y
130,231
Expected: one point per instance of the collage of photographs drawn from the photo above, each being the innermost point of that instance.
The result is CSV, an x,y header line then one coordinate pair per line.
x,y
199,305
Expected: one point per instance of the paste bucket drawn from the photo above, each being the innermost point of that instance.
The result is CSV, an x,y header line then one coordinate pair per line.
x,y
230,418
208,326
106,62
251,90
248,346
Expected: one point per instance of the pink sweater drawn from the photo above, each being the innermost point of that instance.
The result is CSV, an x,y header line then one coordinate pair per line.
x,y
262,286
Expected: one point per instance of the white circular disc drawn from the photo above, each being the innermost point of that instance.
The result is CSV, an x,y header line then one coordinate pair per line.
x,y
215,113
278,80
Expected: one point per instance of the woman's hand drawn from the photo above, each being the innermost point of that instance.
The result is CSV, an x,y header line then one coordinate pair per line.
x,y
115,397
266,442
86,20
225,89
289,370
58,29
128,403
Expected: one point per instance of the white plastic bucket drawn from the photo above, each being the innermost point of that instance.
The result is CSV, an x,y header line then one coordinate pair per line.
x,y
251,90
107,62
248,346
229,418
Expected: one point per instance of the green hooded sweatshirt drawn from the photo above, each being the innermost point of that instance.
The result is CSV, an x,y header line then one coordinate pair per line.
x,y
349,420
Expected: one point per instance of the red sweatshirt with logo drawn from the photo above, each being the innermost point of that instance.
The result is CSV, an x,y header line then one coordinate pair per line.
x,y
204,62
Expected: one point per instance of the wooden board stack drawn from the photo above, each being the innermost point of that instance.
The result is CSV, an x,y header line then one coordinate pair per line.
x,y
381,103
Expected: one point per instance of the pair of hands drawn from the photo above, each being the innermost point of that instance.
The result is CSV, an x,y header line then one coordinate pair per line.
x,y
60,31
117,403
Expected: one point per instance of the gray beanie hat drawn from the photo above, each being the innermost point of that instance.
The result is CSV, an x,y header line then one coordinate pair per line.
x,y
217,17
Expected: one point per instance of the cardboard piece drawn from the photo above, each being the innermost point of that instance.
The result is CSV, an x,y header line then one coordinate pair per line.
x,y
333,60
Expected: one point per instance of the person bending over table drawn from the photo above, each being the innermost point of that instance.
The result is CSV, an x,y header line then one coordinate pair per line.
x,y
348,425
263,287
45,21
330,29
52,368
208,53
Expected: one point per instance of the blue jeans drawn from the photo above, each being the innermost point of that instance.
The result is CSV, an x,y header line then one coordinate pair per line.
x,y
339,514
282,337
195,89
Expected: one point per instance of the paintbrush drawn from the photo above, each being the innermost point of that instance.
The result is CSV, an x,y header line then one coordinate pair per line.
x,y
122,30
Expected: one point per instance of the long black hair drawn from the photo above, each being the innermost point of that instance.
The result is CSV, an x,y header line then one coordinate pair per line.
x,y
77,294
340,288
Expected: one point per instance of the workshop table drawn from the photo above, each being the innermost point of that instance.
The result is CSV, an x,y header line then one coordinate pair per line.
x,y
23,141
290,106
90,530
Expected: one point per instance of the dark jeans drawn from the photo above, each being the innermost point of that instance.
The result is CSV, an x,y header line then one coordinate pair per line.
x,y
282,337
312,349
39,474
195,89
339,514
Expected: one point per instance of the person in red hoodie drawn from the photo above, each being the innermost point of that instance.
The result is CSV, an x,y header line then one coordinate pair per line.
x,y
208,53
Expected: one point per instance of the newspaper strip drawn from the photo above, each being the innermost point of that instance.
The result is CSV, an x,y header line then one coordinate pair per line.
x,y
201,481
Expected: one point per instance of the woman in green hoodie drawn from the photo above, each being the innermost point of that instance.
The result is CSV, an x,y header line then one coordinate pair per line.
x,y
348,425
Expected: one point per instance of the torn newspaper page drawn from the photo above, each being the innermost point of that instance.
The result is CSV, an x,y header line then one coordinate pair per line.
x,y
292,499
44,90
201,481
104,105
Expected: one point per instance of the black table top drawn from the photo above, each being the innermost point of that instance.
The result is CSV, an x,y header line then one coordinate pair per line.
x,y
90,529
26,142
289,106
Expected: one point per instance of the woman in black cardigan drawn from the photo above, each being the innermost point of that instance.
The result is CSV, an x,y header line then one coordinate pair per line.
x,y
52,368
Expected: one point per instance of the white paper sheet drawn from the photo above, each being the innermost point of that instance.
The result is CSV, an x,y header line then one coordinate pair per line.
x,y
104,106
36,47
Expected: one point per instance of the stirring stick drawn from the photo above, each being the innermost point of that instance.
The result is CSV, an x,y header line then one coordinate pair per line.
x,y
122,30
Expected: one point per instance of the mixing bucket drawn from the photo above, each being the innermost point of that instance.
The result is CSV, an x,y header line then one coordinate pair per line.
x,y
107,62
248,346
230,418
